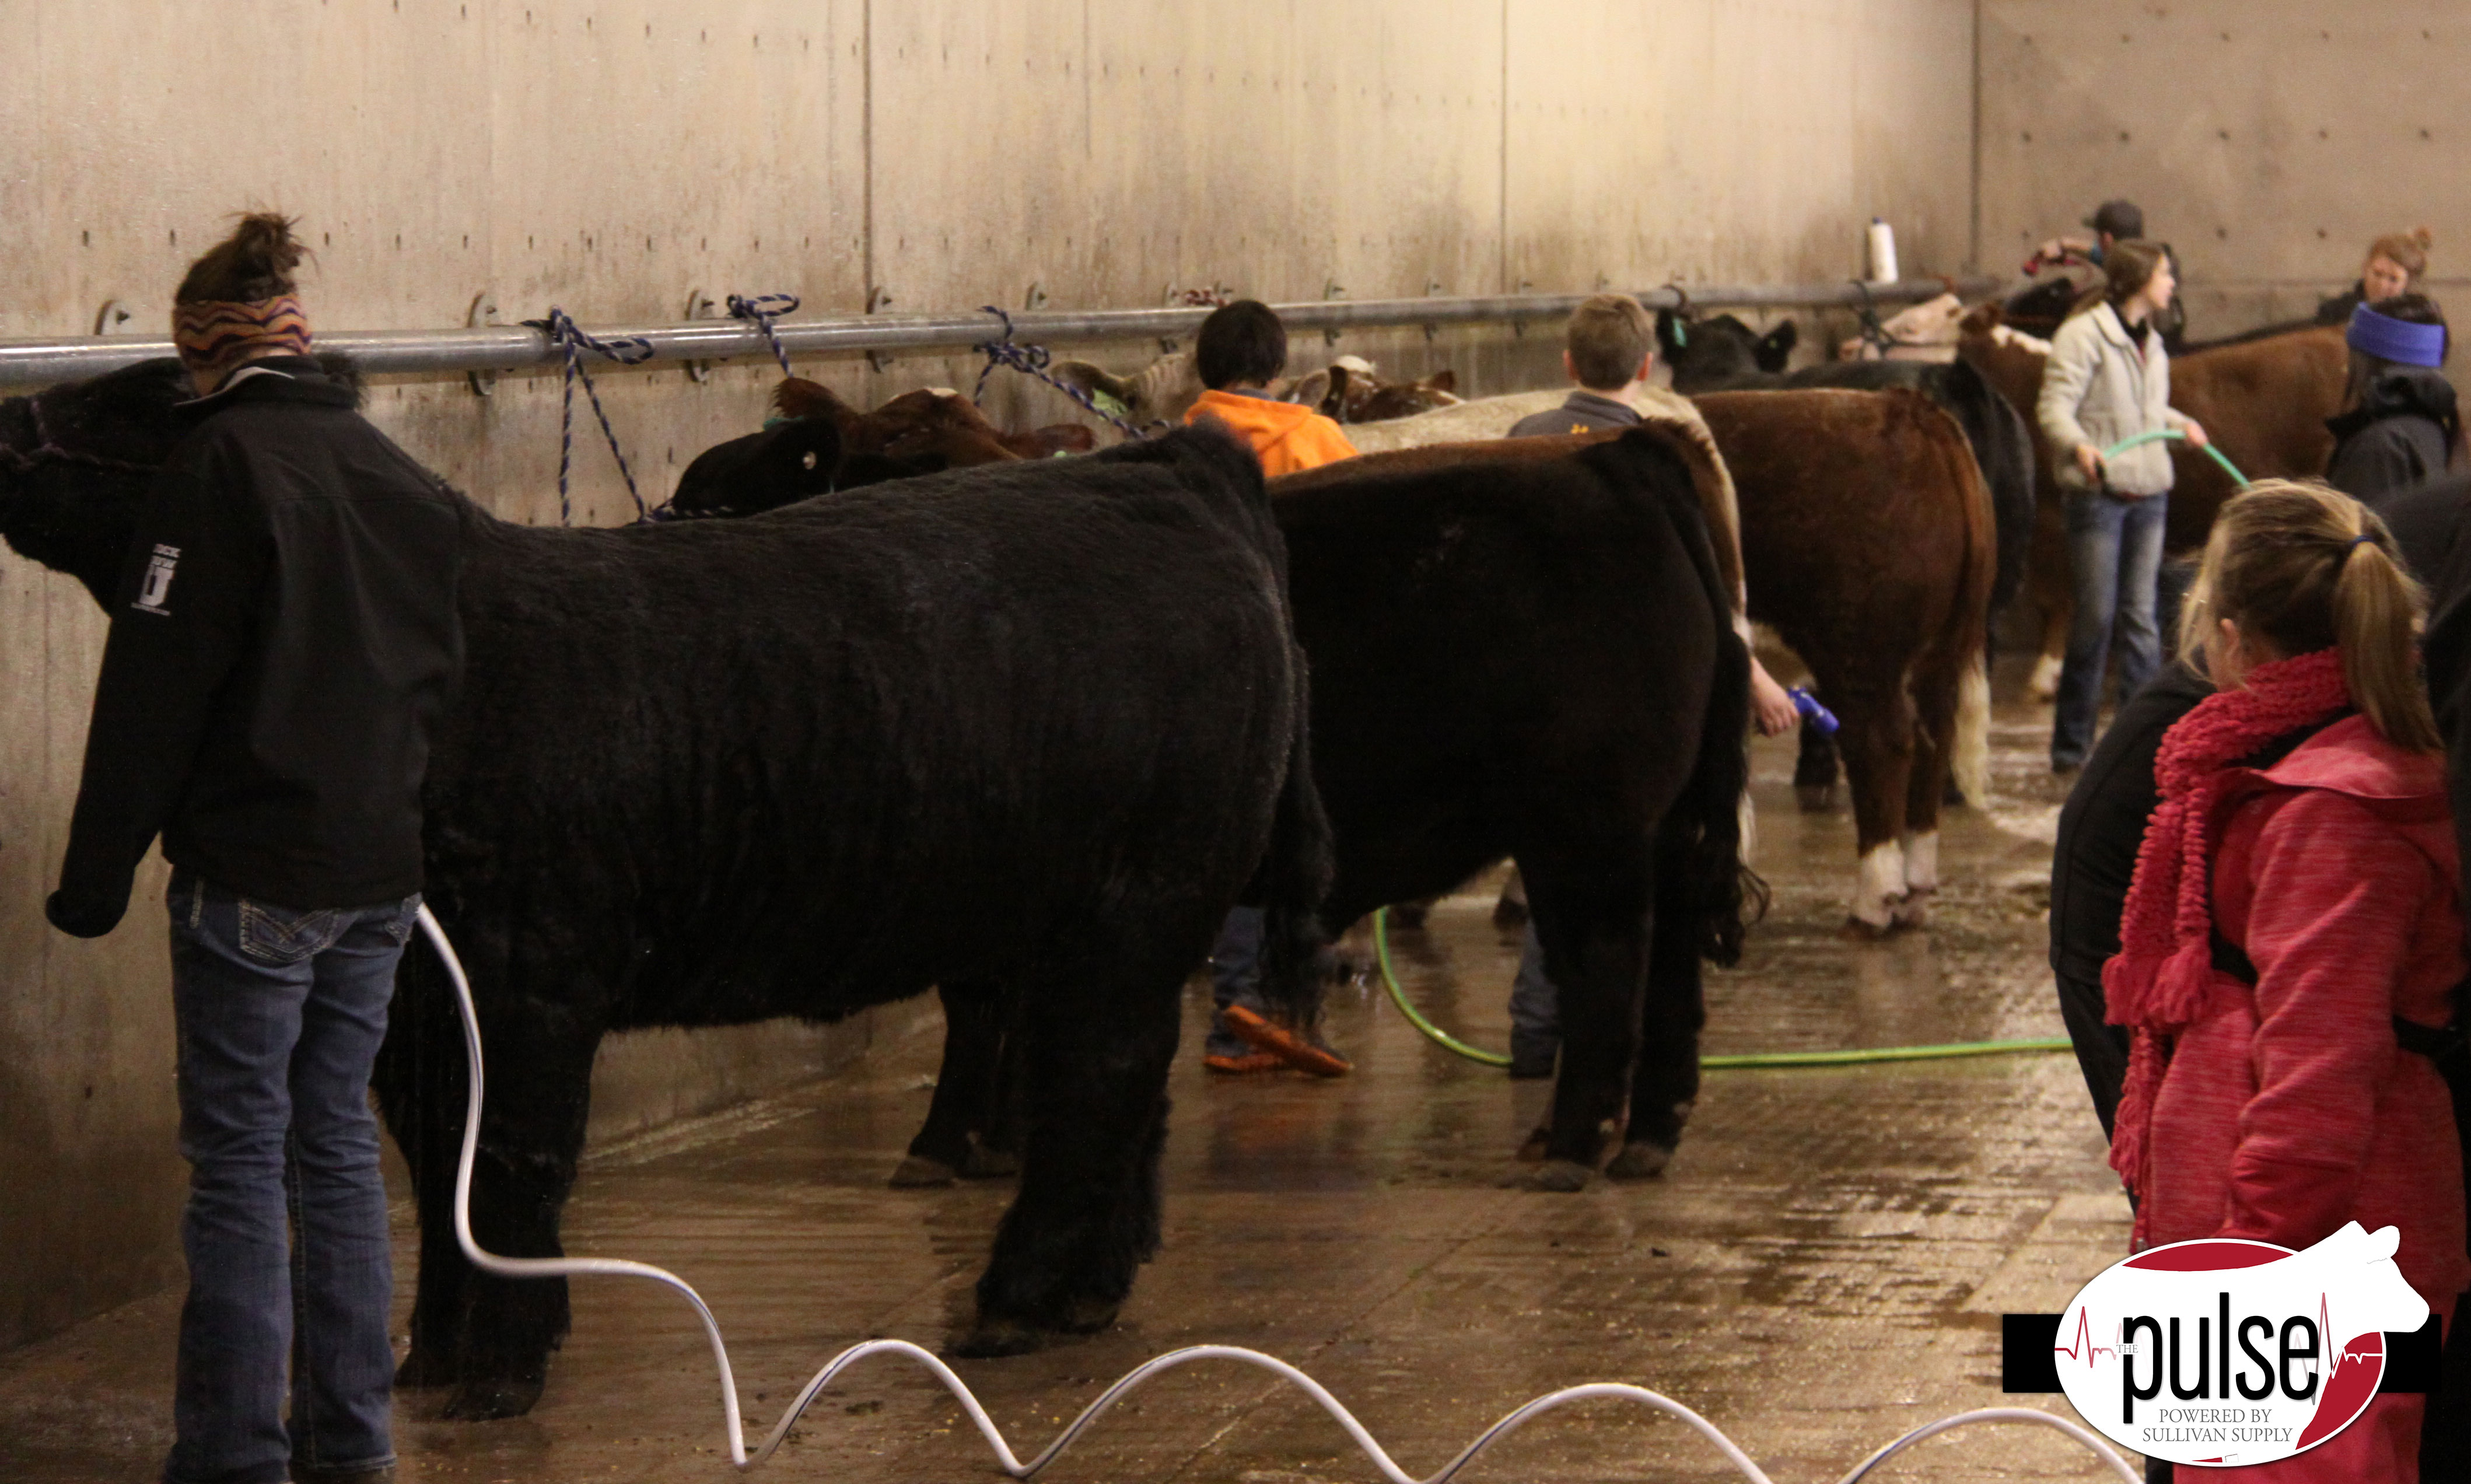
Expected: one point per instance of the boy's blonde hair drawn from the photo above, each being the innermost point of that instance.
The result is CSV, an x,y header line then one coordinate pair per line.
x,y
1610,338
2306,568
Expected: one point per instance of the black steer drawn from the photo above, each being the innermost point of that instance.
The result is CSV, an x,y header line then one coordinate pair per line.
x,y
1024,732
1529,657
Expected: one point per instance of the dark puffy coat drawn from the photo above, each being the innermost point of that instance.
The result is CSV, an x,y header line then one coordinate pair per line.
x,y
2399,437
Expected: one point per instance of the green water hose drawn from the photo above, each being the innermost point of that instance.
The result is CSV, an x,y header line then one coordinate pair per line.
x,y
2143,439
1856,1058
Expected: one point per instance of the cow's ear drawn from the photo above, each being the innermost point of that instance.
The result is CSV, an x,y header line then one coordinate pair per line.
x,y
798,397
1775,346
1317,390
1447,379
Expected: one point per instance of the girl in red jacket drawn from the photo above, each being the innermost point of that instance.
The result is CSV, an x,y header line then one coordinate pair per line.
x,y
2304,814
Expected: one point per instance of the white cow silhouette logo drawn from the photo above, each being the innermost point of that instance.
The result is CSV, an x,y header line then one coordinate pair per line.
x,y
2227,1351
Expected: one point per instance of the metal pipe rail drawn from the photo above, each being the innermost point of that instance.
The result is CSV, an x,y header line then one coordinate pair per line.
x,y
34,362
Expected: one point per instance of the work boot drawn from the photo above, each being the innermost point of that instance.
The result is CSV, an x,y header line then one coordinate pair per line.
x,y
310,1473
1299,1050
1243,1062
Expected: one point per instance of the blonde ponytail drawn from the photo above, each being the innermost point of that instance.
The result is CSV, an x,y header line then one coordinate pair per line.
x,y
2304,567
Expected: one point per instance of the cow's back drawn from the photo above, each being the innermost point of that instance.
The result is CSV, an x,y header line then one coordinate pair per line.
x,y
1483,627
954,709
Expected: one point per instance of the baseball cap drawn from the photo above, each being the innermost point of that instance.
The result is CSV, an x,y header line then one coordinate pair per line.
x,y
2121,219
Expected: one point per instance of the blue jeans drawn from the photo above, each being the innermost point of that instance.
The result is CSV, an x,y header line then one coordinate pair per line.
x,y
280,1013
1235,979
2115,551
1535,1005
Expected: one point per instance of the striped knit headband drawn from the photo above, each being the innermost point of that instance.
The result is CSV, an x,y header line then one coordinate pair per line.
x,y
215,335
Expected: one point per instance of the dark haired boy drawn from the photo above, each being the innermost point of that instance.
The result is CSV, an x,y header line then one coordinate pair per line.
x,y
1241,349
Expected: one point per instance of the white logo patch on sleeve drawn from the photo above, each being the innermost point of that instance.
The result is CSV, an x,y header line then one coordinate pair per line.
x,y
158,580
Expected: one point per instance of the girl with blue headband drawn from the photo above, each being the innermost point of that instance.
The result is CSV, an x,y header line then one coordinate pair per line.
x,y
2398,426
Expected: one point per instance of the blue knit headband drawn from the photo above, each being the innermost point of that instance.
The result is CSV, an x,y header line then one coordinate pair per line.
x,y
2395,340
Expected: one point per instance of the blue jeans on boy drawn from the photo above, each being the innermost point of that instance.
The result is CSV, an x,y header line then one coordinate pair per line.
x,y
1235,979
2115,553
1535,1009
280,1013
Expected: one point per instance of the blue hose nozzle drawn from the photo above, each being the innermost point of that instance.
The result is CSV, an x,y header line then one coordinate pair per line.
x,y
1812,712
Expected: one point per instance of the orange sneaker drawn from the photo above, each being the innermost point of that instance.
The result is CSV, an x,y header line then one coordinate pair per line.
x,y
1285,1044
1249,1062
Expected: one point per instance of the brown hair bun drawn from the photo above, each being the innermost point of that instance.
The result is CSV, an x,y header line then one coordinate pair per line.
x,y
253,264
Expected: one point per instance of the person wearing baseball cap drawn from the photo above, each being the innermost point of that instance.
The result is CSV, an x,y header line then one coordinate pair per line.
x,y
2399,427
2114,220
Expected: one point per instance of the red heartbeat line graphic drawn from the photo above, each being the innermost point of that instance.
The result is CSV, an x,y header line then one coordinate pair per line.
x,y
2084,1348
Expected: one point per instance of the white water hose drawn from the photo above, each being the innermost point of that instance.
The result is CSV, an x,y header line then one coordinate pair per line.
x,y
1011,1462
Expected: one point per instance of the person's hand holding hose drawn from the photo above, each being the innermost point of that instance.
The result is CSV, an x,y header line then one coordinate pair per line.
x,y
2196,434
2089,463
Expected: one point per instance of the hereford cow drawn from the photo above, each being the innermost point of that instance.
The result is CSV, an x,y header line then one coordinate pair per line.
x,y
1868,545
1348,389
2262,401
1722,355
1021,731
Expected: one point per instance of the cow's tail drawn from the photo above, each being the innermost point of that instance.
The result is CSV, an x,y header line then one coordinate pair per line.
x,y
1965,650
1295,874
1703,836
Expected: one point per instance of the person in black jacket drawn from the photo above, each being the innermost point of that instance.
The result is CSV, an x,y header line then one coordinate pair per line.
x,y
2394,266
2398,426
284,640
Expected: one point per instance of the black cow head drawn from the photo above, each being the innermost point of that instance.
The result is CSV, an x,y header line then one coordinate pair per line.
x,y
1721,351
75,461
789,460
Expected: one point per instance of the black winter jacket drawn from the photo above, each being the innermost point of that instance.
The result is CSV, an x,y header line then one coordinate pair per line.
x,y
2397,438
284,638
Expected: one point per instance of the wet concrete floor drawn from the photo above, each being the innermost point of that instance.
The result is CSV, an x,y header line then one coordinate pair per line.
x,y
1822,1267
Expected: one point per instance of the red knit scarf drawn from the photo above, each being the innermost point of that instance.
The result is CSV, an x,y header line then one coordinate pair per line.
x,y
2161,980
216,335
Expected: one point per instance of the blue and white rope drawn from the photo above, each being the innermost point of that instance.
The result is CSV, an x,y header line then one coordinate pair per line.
x,y
625,351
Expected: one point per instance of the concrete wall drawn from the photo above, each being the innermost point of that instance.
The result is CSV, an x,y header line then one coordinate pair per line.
x,y
616,157
2268,141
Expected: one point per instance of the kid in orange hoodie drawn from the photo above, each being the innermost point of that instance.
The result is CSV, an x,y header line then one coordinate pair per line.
x,y
1242,347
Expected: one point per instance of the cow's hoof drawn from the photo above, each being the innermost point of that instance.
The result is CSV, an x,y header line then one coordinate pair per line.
x,y
986,1164
1089,1316
1562,1177
1531,1152
1815,798
488,1400
1640,1160
918,1172
1912,912
1859,931
992,1339
426,1366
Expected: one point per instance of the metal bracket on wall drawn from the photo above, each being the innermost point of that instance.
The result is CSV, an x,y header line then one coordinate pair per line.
x,y
118,317
700,306
1432,291
1035,299
484,310
878,300
1331,288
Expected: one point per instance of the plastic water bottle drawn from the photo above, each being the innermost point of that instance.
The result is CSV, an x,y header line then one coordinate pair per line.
x,y
1883,251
